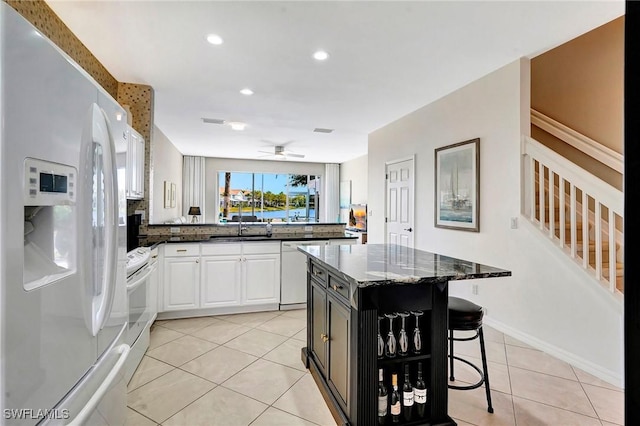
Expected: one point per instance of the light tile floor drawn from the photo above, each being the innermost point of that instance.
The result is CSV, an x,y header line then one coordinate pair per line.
x,y
245,369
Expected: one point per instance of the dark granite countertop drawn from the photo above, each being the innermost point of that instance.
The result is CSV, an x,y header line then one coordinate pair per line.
x,y
383,264
152,240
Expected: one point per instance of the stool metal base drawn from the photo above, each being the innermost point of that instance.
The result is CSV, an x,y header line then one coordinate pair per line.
x,y
484,376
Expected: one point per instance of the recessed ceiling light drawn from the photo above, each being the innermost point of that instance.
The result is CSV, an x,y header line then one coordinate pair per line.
x,y
237,125
214,39
320,55
246,91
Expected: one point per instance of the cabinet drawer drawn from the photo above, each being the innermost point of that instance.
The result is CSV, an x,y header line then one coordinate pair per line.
x,y
339,287
319,273
221,248
179,250
267,247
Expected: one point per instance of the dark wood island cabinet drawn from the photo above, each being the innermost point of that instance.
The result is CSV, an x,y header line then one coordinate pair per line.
x,y
350,289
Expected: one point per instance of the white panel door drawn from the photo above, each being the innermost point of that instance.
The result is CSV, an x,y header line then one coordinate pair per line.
x,y
261,279
182,283
220,281
399,208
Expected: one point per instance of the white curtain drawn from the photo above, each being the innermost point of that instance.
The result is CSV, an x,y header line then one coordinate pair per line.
x,y
193,185
331,185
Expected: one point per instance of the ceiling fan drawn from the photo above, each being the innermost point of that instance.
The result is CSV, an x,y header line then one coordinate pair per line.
x,y
279,152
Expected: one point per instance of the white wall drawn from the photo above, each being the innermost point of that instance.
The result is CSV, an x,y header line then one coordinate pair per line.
x,y
548,302
356,171
166,165
216,165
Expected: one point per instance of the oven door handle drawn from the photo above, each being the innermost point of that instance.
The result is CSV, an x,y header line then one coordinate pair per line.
x,y
136,283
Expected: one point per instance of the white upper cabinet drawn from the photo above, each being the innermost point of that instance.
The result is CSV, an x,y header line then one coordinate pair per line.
x,y
135,165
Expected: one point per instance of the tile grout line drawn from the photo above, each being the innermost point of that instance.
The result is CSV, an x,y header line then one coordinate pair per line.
x,y
248,365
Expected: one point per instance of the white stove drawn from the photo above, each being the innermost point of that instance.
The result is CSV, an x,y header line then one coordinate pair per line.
x,y
137,258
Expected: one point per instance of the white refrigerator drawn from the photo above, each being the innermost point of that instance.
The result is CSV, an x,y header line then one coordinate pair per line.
x,y
63,303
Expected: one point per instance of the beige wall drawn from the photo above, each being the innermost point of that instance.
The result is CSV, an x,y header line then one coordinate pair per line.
x,y
581,84
166,166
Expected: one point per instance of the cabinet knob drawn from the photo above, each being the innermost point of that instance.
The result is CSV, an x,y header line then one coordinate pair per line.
x,y
336,287
324,337
197,260
316,273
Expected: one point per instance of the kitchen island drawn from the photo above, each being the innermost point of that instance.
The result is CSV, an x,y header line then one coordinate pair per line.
x,y
350,288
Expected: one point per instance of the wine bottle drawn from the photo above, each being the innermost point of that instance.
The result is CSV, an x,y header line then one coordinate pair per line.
x,y
395,399
407,395
383,399
420,393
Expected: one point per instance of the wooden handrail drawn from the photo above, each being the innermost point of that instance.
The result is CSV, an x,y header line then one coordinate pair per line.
x,y
579,141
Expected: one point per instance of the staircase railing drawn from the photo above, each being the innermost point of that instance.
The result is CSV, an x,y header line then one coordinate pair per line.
x,y
581,213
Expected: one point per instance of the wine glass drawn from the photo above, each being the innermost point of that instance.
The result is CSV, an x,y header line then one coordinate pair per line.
x,y
390,346
403,339
417,340
380,340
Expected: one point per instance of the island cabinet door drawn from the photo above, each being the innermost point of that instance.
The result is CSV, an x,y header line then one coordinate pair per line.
x,y
338,320
319,336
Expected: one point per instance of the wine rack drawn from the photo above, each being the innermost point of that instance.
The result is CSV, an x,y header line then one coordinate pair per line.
x,y
397,363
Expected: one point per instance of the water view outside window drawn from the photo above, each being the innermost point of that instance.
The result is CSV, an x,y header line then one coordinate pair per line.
x,y
268,197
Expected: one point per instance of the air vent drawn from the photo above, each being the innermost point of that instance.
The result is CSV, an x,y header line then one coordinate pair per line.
x,y
212,121
321,130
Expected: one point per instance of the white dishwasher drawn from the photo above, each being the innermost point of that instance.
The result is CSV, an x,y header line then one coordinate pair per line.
x,y
293,274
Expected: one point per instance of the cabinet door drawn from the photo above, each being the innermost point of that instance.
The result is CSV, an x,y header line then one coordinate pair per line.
x,y
338,320
129,165
318,305
140,166
261,279
220,281
181,283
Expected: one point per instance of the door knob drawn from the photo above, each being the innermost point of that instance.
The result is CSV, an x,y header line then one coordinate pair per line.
x,y
409,229
324,337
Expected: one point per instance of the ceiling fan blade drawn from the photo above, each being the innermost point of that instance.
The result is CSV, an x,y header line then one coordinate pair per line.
x,y
291,154
267,152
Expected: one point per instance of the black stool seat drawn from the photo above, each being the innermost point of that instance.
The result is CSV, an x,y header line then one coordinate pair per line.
x,y
464,314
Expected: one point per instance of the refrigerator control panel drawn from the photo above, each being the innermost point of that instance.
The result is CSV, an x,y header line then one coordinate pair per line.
x,y
49,184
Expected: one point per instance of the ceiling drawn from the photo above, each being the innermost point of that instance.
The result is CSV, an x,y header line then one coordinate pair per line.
x,y
387,58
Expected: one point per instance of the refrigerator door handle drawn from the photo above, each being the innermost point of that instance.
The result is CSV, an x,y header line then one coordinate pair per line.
x,y
101,134
93,402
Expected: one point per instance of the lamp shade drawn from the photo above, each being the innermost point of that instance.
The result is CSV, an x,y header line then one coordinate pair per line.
x,y
194,211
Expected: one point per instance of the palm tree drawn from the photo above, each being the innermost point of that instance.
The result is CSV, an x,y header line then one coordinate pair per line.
x,y
225,194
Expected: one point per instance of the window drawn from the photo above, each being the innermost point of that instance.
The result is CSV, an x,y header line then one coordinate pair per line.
x,y
266,197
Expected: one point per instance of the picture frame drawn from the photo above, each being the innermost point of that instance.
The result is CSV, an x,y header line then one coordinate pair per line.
x,y
173,195
167,194
457,186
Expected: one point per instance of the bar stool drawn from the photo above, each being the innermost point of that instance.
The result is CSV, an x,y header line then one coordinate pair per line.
x,y
467,316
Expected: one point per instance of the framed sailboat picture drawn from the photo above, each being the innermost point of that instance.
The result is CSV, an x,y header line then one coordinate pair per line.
x,y
457,184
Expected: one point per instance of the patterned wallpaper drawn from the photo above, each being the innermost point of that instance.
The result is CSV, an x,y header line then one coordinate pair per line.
x,y
138,97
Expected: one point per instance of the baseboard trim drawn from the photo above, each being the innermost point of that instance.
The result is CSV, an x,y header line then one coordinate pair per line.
x,y
608,376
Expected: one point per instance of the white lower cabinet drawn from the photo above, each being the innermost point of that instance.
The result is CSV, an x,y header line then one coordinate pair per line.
x,y
261,278
181,283
220,281
222,275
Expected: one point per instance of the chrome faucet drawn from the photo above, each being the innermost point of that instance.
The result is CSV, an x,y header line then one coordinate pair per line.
x,y
240,227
